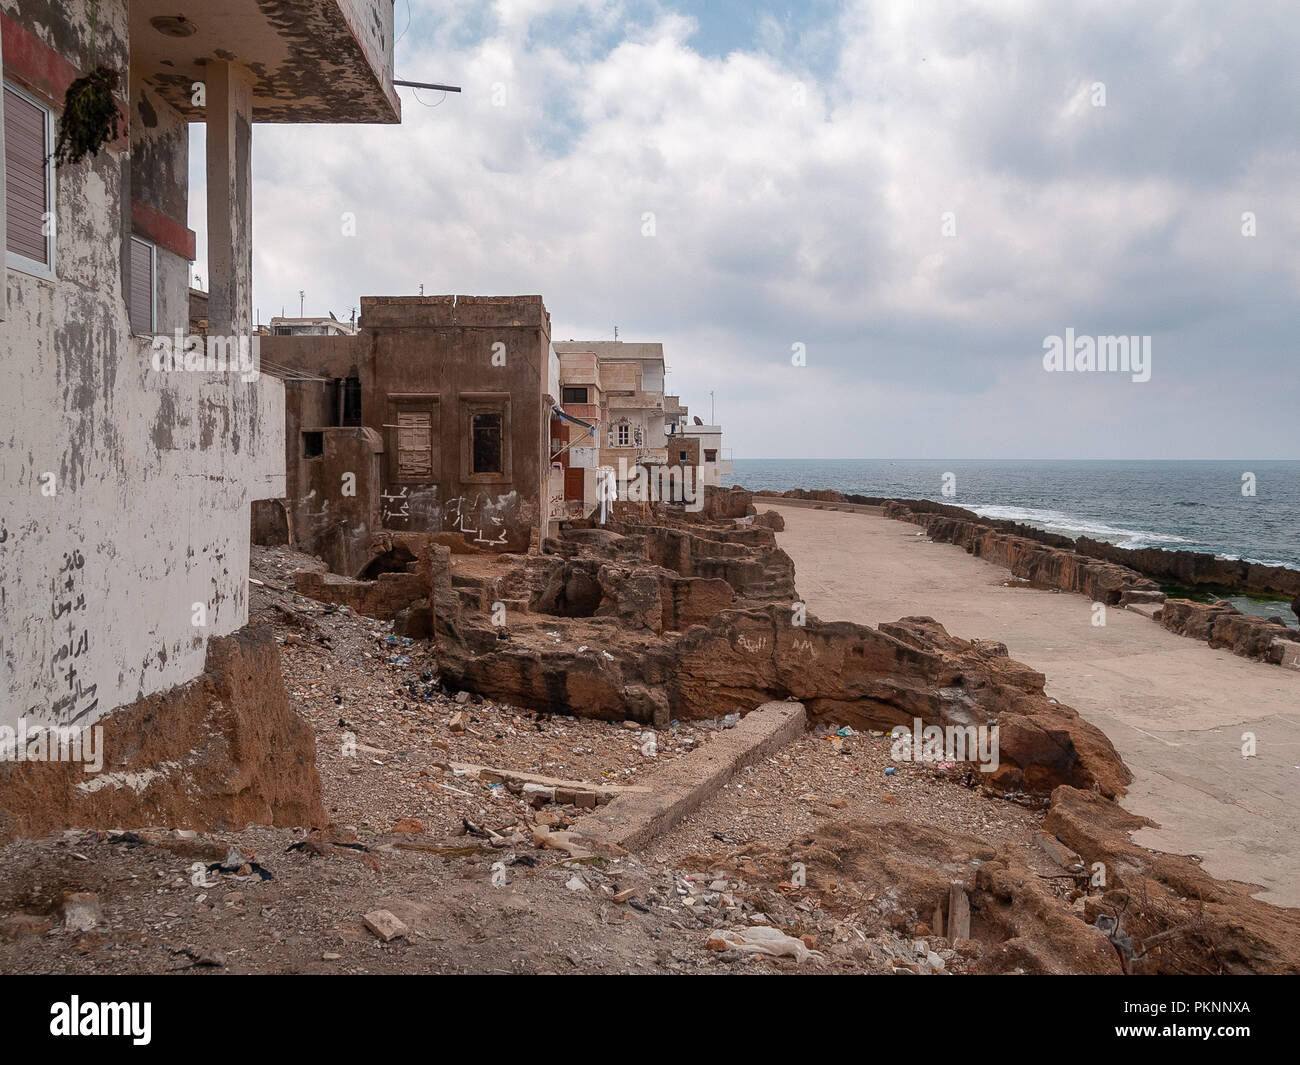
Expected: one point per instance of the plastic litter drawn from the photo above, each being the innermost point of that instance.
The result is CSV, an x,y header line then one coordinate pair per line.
x,y
761,939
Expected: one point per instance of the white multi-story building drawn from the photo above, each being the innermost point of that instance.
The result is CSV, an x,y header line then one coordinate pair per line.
x,y
127,477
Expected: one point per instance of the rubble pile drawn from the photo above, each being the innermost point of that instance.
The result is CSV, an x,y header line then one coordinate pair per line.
x,y
464,742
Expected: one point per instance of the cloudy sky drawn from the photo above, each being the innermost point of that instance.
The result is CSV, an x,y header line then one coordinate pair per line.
x,y
918,193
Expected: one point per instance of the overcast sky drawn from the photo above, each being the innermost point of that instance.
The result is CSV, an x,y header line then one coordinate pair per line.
x,y
799,162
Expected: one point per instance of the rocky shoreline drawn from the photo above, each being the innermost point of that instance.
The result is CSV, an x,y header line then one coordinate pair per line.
x,y
1191,569
1107,574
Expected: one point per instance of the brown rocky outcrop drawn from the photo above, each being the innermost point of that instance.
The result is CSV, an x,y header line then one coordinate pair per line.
x,y
223,751
745,556
1173,916
1194,569
1042,564
1223,625
638,620
398,573
721,503
844,673
900,870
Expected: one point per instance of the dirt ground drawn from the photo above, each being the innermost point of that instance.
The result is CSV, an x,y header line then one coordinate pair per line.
x,y
453,857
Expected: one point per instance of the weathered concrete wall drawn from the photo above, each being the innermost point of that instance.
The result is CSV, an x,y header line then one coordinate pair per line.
x,y
125,490
312,60
159,199
441,354
337,525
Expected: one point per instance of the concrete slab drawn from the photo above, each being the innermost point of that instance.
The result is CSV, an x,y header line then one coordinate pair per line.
x,y
603,792
1175,708
632,820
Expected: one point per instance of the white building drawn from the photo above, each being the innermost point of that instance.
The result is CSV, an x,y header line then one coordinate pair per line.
x,y
126,481
312,327
715,460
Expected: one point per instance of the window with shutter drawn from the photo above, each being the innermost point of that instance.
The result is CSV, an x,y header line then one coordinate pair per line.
x,y
415,445
142,286
412,433
29,183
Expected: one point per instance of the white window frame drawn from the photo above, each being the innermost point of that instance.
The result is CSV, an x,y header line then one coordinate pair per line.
x,y
623,434
13,260
153,286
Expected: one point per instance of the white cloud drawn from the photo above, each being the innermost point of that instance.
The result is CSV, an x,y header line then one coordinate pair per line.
x,y
776,222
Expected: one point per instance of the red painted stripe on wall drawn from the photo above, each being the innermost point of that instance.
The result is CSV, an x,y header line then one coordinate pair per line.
x,y
163,230
43,71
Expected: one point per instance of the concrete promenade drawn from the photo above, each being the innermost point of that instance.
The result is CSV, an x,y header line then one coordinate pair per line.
x,y
1174,708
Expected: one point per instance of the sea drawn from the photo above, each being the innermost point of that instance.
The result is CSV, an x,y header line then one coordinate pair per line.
x,y
1235,510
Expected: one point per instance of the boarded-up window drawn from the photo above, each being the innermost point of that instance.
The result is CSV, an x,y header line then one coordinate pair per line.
x,y
486,431
142,286
28,235
415,445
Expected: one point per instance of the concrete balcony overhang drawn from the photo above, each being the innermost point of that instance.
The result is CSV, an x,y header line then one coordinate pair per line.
x,y
310,60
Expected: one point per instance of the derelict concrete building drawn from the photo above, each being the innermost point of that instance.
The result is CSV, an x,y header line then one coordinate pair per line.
x,y
126,487
433,419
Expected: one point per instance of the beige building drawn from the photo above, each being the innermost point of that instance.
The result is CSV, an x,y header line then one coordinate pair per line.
x,y
611,409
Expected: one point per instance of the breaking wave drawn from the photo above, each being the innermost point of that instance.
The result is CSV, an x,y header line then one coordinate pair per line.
x,y
1055,521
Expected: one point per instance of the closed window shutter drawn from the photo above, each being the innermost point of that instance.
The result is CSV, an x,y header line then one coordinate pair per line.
x,y
141,286
26,186
415,445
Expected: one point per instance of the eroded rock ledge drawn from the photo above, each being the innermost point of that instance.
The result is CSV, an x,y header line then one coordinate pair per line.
x,y
1221,624
1056,567
664,618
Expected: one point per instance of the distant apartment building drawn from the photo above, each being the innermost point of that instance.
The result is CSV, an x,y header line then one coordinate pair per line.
x,y
691,441
683,451
311,327
612,400
715,461
127,478
432,418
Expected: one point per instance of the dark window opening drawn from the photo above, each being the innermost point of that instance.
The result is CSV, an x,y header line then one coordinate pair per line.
x,y
486,431
352,401
313,445
335,403
573,395
710,454
681,456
